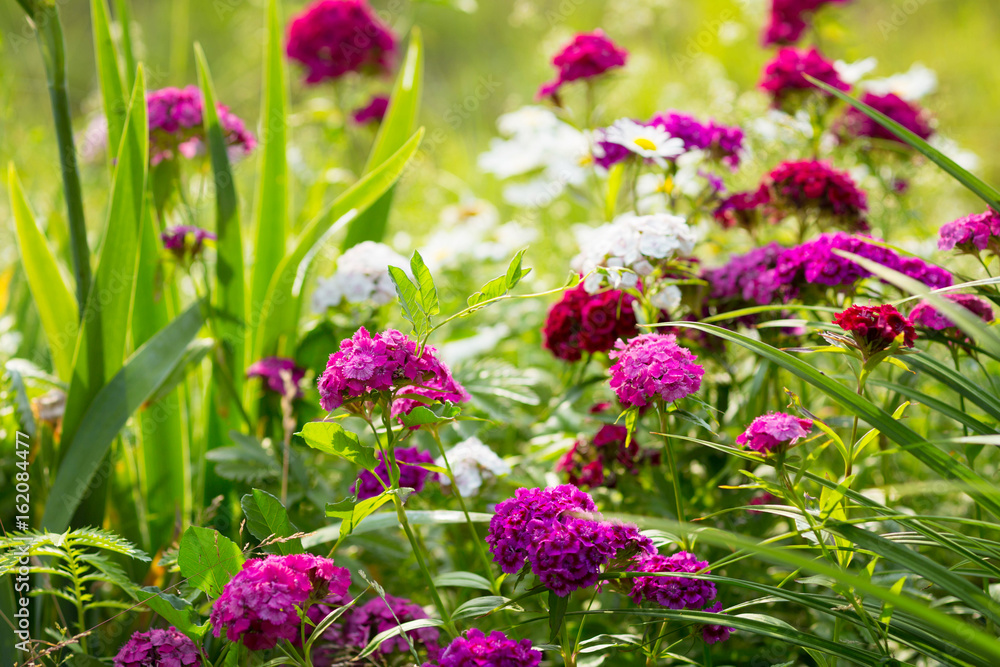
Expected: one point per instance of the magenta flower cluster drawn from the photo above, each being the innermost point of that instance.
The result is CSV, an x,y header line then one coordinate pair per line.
x,y
587,56
411,476
373,112
360,625
186,241
276,372
789,19
721,142
582,322
907,114
438,386
366,365
812,186
176,125
261,603
926,315
477,649
972,234
334,37
785,74
774,431
653,367
158,648
551,531
743,209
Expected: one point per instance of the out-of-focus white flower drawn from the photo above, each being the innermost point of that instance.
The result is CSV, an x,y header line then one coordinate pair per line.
x,y
362,276
471,462
965,158
633,242
914,84
478,239
854,72
539,145
667,298
776,125
470,212
648,141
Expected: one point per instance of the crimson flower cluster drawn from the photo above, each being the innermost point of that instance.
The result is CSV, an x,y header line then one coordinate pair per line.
x,y
907,114
411,475
373,112
334,37
875,328
789,19
926,315
477,649
158,648
176,125
276,371
972,234
261,603
742,209
587,56
784,76
367,365
186,241
814,186
653,367
582,322
775,431
592,463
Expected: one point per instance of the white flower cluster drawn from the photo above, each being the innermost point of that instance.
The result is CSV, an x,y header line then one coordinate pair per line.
x,y
469,233
537,145
362,276
914,84
633,242
471,462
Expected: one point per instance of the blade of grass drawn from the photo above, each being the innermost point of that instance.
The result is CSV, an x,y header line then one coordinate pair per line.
x,y
109,73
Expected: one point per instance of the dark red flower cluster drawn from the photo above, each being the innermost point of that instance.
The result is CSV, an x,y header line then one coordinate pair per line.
x,y
811,185
334,37
596,462
789,19
910,116
875,328
583,322
742,209
785,74
588,55
373,112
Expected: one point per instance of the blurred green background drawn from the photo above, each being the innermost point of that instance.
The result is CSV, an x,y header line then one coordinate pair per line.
x,y
490,59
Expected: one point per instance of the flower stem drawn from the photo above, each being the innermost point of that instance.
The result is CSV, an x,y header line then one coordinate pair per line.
x,y
672,466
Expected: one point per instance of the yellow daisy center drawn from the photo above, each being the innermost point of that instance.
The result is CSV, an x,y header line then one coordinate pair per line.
x,y
643,142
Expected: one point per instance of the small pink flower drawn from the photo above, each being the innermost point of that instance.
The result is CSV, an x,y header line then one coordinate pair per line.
x,y
277,371
927,316
972,234
587,56
653,367
768,433
785,74
373,112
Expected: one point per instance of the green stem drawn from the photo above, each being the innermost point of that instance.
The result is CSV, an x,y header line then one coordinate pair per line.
x,y
672,466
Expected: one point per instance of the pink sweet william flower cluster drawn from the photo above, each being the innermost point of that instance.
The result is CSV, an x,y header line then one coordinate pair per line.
x,y
815,186
373,112
653,367
361,624
411,475
477,649
158,648
549,529
907,114
366,365
771,432
279,374
334,37
875,328
587,56
972,234
926,315
438,386
261,603
176,125
788,19
785,74
186,241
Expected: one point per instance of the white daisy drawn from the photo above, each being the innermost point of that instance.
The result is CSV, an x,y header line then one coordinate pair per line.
x,y
647,141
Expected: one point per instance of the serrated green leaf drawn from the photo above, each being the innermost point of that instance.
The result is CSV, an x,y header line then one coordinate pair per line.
x,y
333,438
425,283
176,611
208,559
266,516
409,300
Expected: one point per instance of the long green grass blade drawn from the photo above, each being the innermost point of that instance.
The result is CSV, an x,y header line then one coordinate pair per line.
x,y
398,125
276,316
271,214
109,73
124,15
53,299
107,414
937,405
987,193
978,488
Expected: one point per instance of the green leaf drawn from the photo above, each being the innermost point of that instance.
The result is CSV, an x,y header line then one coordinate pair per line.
x,y
208,559
479,607
423,416
100,350
277,317
409,300
425,283
352,511
398,124
109,73
978,488
56,306
266,516
503,284
114,404
176,611
987,193
557,611
332,438
271,212
887,607
462,580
